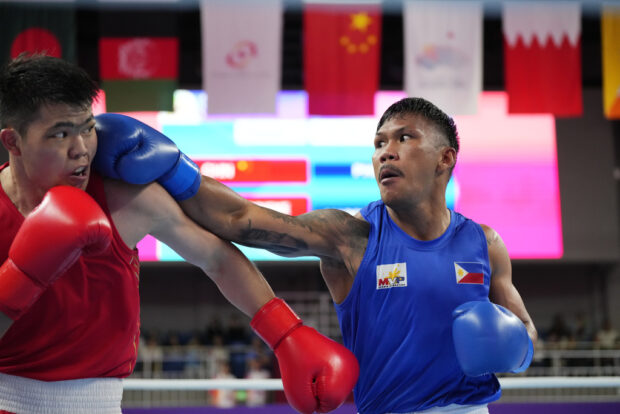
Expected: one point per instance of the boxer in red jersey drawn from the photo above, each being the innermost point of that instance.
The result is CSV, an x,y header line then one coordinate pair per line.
x,y
69,303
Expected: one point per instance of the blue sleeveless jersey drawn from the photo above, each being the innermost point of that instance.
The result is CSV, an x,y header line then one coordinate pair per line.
x,y
397,318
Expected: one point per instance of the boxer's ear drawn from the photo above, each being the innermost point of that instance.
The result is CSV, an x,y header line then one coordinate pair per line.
x,y
10,138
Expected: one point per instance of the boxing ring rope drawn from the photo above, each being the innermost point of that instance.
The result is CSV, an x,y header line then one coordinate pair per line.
x,y
133,384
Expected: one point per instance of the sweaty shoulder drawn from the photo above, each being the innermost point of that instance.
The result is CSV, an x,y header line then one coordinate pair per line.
x,y
499,258
491,235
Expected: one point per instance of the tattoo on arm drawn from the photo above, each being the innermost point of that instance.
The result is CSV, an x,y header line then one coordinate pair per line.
x,y
279,243
292,239
282,243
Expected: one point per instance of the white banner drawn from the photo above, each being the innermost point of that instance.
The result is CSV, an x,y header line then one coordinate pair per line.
x,y
241,44
443,53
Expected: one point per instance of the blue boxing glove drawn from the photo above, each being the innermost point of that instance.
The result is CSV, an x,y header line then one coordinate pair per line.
x,y
134,152
489,338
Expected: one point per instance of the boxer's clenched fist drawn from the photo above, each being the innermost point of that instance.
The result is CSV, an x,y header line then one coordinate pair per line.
x,y
134,152
318,373
489,338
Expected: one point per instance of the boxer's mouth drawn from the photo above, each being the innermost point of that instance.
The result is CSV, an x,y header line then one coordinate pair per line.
x,y
388,171
80,171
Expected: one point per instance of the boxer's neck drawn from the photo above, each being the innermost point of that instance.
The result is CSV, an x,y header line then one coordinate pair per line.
x,y
23,195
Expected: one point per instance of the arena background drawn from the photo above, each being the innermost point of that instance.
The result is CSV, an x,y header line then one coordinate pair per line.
x,y
584,282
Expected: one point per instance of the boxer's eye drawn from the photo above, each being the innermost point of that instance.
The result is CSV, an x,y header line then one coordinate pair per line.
x,y
88,130
58,134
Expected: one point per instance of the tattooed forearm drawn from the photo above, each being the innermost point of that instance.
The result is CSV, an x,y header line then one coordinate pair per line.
x,y
279,243
279,250
328,232
286,219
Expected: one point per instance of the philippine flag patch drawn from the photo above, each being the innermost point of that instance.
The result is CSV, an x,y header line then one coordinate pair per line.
x,y
391,275
469,273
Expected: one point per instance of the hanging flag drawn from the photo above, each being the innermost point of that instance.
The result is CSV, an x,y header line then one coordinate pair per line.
x,y
610,31
443,53
138,60
341,58
241,55
542,57
44,29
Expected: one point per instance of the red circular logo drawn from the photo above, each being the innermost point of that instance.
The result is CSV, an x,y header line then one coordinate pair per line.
x,y
36,40
241,54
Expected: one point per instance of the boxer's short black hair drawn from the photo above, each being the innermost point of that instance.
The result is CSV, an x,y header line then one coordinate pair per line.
x,y
420,106
30,81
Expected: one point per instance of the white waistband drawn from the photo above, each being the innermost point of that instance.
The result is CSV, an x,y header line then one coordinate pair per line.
x,y
455,409
93,395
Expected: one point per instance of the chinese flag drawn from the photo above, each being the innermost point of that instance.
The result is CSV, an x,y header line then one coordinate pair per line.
x,y
341,58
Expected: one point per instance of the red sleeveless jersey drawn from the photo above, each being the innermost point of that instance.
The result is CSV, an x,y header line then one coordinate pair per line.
x,y
87,323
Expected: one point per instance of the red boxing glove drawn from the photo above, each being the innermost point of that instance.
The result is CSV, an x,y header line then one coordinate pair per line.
x,y
67,223
318,373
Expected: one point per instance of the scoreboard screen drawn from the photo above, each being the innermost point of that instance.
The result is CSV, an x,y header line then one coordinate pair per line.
x,y
506,174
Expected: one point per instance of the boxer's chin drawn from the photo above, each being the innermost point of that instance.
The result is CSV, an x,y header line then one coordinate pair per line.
x,y
78,181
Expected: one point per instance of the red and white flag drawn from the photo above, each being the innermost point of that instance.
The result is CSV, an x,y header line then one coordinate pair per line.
x,y
443,53
241,55
542,57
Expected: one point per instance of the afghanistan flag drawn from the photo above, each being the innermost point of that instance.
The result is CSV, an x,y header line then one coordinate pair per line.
x,y
138,60
37,28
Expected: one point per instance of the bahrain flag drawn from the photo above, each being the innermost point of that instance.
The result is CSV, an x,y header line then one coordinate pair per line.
x,y
542,57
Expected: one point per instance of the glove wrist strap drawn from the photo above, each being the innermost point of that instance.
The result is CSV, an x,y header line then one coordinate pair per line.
x,y
183,181
527,360
17,291
274,321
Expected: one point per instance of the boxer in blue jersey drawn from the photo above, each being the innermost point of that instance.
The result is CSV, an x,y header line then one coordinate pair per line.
x,y
424,296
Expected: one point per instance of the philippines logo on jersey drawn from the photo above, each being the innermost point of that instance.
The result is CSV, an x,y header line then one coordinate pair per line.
x,y
391,275
469,273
